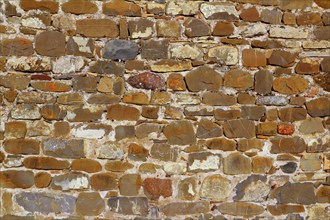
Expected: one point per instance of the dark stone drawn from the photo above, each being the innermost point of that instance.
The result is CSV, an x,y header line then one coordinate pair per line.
x,y
301,193
290,167
120,50
147,81
107,67
154,49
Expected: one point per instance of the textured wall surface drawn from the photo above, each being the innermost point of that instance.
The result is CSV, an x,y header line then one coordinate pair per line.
x,y
165,109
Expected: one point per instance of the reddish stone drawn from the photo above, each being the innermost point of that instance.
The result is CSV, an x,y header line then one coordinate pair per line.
x,y
51,86
41,77
146,81
154,188
121,7
285,129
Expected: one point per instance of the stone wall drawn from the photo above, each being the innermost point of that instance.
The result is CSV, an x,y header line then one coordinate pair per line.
x,y
165,109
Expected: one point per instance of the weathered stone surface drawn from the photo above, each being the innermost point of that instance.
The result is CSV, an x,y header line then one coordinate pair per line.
x,y
311,162
215,188
154,188
253,58
187,52
210,98
226,55
118,166
250,14
223,29
87,165
185,208
322,33
221,144
129,205
323,80
15,129
187,189
291,193
203,161
287,145
254,188
168,28
50,43
79,7
180,132
285,128
107,67
292,114
292,85
89,204
53,112
203,78
30,64
80,46
85,83
25,111
130,184
196,28
184,8
169,65
16,47
120,50
15,81
208,129
123,112
146,80
282,58
318,107
110,150
163,152
142,28
70,181
272,100
67,65
271,16
262,165
240,209
154,49
123,132
263,82
176,82
239,128
16,179
45,163
287,32
104,181
238,79
21,146
237,163
311,125
42,179
120,7
253,112
64,148
222,11
282,209
221,114
137,152
253,30
44,5
54,86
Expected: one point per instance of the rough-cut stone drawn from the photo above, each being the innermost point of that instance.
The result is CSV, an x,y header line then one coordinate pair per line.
x,y
221,144
221,114
322,33
311,125
45,163
239,128
118,166
25,111
180,133
223,29
253,58
176,82
254,188
271,16
21,146
272,100
16,179
70,181
253,112
42,179
142,28
15,81
30,64
187,52
169,65
282,209
123,132
203,78
184,8
238,79
64,148
147,81
287,145
44,5
311,162
89,204
168,28
211,98
53,112
16,47
308,66
110,150
263,82
187,189
250,14
54,86
120,7
215,188
291,193
123,112
129,184
318,107
163,152
287,32
282,58
185,208
219,11
208,129
226,55
154,188
107,67
203,162
87,165
291,85
120,50
79,7
46,203
104,181
137,152
240,209
15,129
129,205
79,46
237,163
262,165
50,43
292,114
154,49
196,28
67,65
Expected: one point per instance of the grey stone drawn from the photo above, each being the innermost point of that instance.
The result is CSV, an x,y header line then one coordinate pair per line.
x,y
120,50
290,167
254,188
129,205
272,100
70,181
64,148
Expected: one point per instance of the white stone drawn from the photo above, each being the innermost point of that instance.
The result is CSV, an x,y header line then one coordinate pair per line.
x,y
33,22
82,44
316,44
225,54
216,188
172,168
184,8
38,128
211,163
82,132
287,32
29,63
77,183
145,34
256,191
253,30
187,52
208,9
187,99
66,65
110,151
25,111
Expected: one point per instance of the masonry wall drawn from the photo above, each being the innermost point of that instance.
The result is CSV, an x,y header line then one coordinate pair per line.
x,y
165,109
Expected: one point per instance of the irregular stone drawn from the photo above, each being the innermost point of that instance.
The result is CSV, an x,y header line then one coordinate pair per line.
x,y
322,33
292,114
323,80
168,28
287,145
141,28
70,181
184,8
16,47
16,179
180,133
139,98
267,128
66,65
154,188
253,30
173,168
105,85
221,114
15,129
271,16
248,144
129,205
291,85
322,194
309,19
89,204
208,129
50,43
104,181
163,152
262,165
156,8
110,150
15,81
53,86
150,112
223,144
30,64
318,107
254,188
87,84
253,112
176,82
272,100
118,166
64,148
203,162
146,81
42,179
311,125
220,99
79,46
311,162
250,14
123,132
226,55
120,7
253,58
147,130
44,5
286,129
70,99
169,65
25,111
287,32
187,52
263,82
107,67
137,152
46,203
185,208
308,66
291,193
120,50
203,78
154,49
219,11
282,58
79,7
196,28
239,208
187,189
129,184
21,146
45,163
239,128
283,209
237,163
53,112
238,79
223,29
123,112
215,188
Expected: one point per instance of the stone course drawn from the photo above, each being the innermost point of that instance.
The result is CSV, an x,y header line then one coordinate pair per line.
x,y
164,109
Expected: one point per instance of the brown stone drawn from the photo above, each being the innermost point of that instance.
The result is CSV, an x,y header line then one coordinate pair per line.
x,y
271,16
263,82
118,166
245,98
238,79
16,179
239,128
176,82
208,129
150,112
215,188
87,84
250,14
89,204
168,28
185,208
203,78
322,33
282,58
10,95
22,146
45,163
180,132
160,98
61,129
134,65
262,165
203,162
171,65
154,188
249,144
121,7
221,114
291,85
141,28
103,99
50,43
187,189
253,112
16,47
44,5
79,7
223,144
42,179
237,163
267,128
104,181
307,66
291,193
323,3
292,114
87,165
137,152
222,28
323,80
163,152
129,205
220,99
97,28
129,184
323,194
309,19
294,4
154,49
289,18
196,28
15,81
124,132
105,85
253,58
283,209
318,107
146,80
15,129
53,86
287,145
64,148
240,209
285,129
82,114
326,18
139,98
123,112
